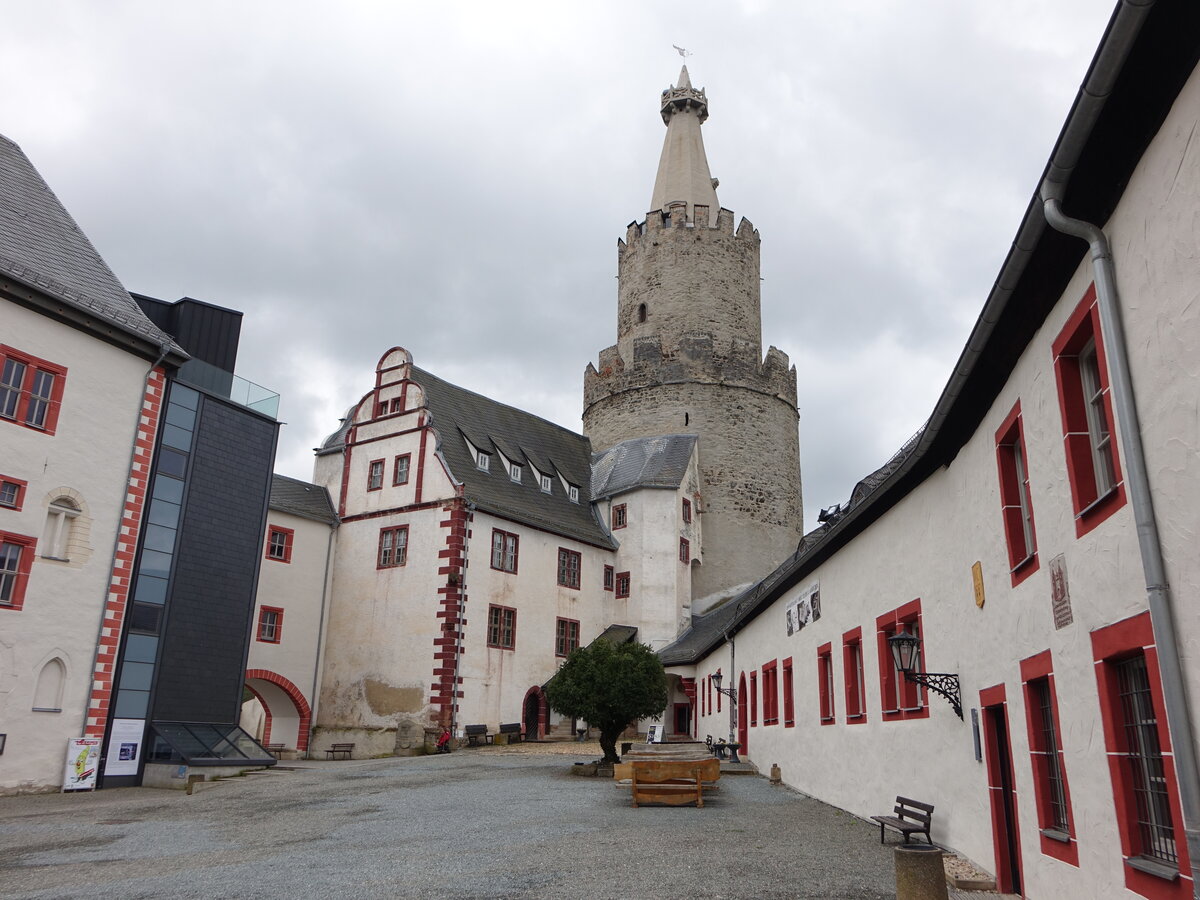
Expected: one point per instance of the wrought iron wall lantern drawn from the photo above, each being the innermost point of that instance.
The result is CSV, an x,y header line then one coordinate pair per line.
x,y
731,693
905,653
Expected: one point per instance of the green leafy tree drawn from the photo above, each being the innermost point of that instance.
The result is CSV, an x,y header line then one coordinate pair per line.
x,y
609,685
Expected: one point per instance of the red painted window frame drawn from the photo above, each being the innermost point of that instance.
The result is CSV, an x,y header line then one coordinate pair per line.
x,y
560,649
1034,669
504,611
1111,645
1010,441
709,705
288,535
516,539
20,485
34,364
395,563
996,696
258,629
789,695
25,559
685,550
620,516
826,709
565,572
1084,325
754,698
914,698
854,676
609,578
687,510
623,588
396,479
770,691
371,470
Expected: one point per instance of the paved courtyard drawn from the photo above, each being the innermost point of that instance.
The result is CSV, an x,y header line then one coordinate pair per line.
x,y
489,822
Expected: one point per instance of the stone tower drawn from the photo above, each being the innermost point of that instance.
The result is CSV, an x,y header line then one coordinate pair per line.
x,y
688,359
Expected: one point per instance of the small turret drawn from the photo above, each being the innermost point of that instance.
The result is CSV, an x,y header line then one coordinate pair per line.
x,y
683,174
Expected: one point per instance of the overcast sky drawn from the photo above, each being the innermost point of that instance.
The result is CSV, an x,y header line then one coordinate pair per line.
x,y
453,178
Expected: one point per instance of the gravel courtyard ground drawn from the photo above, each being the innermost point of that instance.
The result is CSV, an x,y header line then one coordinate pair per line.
x,y
481,822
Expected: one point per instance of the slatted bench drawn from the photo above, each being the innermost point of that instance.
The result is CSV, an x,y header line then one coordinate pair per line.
x,y
276,750
675,782
344,750
912,817
513,730
477,734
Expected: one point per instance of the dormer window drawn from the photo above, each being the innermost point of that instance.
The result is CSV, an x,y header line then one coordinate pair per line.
x,y
573,492
547,483
514,472
484,461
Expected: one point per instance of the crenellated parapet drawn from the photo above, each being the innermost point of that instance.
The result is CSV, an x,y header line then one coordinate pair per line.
x,y
695,359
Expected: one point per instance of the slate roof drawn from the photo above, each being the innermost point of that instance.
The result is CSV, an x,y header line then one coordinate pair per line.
x,y
457,413
43,247
524,438
646,462
309,501
617,634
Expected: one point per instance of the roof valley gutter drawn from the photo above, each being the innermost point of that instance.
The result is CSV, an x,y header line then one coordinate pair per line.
x,y
1122,33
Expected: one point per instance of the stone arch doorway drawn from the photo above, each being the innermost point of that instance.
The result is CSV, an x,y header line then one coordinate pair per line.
x,y
534,714
288,715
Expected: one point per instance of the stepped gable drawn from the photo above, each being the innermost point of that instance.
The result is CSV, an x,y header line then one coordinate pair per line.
x,y
525,439
43,247
648,462
300,498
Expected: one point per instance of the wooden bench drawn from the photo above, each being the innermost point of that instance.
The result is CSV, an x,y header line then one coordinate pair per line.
x,y
344,749
912,817
477,733
674,782
513,730
276,750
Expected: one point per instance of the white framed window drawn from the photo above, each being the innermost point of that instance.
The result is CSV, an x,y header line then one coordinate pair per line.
x,y
483,461
514,472
1099,436
547,483
573,493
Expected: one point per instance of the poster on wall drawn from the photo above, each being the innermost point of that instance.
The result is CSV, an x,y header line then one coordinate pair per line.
x,y
83,758
805,609
124,747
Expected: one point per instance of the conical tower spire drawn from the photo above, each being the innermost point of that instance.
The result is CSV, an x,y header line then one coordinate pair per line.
x,y
683,173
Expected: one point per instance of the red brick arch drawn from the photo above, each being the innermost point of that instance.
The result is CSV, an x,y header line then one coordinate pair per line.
x,y
294,694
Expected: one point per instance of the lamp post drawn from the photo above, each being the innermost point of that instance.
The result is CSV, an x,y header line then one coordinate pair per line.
x,y
905,653
731,693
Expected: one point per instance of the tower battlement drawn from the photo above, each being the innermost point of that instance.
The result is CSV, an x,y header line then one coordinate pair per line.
x,y
695,359
676,218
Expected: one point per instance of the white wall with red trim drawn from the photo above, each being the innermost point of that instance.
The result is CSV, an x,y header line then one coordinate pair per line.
x,y
925,546
86,459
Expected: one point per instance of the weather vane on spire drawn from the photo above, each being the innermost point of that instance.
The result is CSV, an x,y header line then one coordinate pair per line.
x,y
684,53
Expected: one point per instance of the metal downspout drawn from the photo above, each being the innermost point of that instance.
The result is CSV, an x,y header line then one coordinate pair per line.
x,y
1158,591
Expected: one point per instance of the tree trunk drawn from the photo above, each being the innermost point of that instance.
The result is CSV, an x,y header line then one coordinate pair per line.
x,y
608,742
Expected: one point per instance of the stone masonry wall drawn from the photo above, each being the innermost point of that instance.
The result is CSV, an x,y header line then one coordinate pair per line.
x,y
750,463
688,278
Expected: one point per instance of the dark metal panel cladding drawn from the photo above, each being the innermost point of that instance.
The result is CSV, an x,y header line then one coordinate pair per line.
x,y
205,642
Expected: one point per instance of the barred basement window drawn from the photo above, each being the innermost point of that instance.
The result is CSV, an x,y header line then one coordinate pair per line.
x,y
1143,760
1040,689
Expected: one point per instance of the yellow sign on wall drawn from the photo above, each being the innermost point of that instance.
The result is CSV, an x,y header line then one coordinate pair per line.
x,y
977,578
